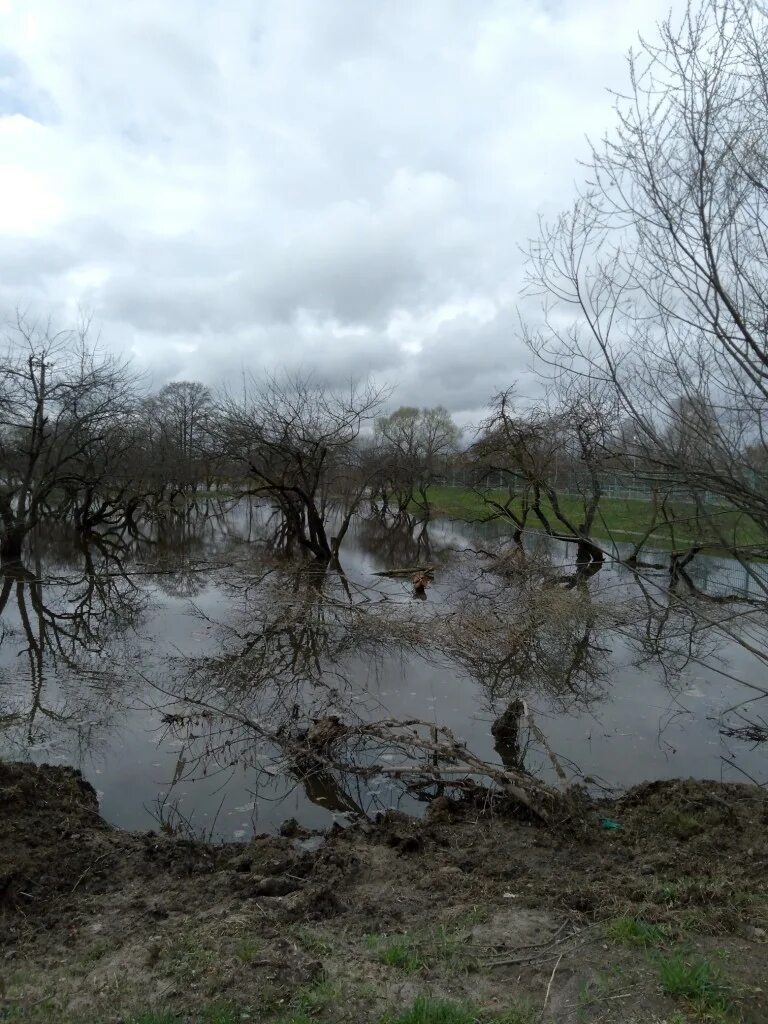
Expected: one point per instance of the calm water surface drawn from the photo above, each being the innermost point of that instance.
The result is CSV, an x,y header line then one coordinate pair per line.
x,y
143,664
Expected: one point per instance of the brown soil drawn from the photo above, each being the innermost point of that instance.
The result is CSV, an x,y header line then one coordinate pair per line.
x,y
470,905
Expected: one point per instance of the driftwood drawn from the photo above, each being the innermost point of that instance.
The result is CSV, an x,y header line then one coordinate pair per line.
x,y
420,583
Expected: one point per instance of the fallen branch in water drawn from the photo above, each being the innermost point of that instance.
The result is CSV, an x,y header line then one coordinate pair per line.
x,y
750,732
537,797
425,752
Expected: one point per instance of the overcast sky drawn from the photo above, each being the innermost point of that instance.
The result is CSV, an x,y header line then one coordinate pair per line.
x,y
335,183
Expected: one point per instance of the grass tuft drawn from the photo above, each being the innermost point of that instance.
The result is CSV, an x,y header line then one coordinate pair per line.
x,y
316,997
247,950
221,1014
311,942
400,955
696,981
397,952
682,826
635,932
432,1011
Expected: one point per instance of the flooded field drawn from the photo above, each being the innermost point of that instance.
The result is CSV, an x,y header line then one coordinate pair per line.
x,y
176,669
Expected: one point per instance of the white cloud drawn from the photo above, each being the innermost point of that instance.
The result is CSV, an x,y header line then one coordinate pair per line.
x,y
346,185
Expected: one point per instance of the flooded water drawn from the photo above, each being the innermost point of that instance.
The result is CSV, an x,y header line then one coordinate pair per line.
x,y
176,670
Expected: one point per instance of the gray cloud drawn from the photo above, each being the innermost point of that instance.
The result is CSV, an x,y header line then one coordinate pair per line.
x,y
340,186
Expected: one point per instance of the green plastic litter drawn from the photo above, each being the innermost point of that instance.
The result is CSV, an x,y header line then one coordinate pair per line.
x,y
609,823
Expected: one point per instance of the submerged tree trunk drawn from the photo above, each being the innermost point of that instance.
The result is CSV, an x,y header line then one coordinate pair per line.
x,y
13,533
11,544
506,735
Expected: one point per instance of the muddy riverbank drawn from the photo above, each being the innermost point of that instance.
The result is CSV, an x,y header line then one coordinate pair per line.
x,y
473,905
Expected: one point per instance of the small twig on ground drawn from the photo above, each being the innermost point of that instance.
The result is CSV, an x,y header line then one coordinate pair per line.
x,y
544,955
552,940
551,979
89,868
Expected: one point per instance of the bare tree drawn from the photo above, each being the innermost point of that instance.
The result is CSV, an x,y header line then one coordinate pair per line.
x,y
300,443
656,281
61,404
179,423
563,437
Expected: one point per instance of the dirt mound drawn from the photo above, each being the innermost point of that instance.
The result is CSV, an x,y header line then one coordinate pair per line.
x,y
51,824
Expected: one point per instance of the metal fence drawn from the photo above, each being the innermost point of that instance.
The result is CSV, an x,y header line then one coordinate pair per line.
x,y
625,487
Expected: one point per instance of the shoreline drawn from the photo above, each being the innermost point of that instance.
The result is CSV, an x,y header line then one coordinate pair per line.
x,y
469,907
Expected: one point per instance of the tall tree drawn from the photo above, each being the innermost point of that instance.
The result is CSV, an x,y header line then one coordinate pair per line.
x,y
300,443
416,445
179,424
61,401
656,281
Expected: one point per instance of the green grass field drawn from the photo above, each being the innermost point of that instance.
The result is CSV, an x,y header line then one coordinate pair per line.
x,y
619,519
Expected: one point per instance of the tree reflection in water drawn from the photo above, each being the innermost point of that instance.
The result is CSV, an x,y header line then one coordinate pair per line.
x,y
71,609
284,659
291,655
287,648
63,627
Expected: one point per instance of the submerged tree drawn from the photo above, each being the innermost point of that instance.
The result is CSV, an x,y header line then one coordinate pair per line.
x,y
300,444
178,425
539,451
63,407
